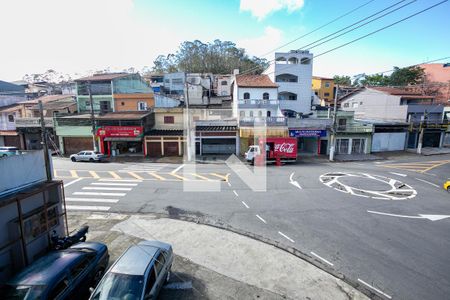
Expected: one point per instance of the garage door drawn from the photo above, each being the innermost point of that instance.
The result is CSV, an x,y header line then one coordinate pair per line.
x,y
218,146
388,141
12,141
154,149
170,148
76,144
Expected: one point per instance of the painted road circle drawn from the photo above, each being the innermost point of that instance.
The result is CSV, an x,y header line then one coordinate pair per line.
x,y
386,189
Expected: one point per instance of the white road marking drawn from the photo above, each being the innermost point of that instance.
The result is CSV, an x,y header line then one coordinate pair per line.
x,y
106,188
398,174
178,169
245,204
120,180
430,183
321,258
70,199
262,220
420,216
81,207
229,184
286,237
375,289
99,194
114,184
72,182
235,193
293,182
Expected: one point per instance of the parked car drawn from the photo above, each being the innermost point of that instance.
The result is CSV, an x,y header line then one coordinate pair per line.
x,y
88,155
8,151
447,186
64,274
139,273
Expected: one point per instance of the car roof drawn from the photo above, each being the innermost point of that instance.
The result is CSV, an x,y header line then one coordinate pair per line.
x,y
44,270
135,260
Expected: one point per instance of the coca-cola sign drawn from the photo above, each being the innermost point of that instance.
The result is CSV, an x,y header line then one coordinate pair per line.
x,y
284,148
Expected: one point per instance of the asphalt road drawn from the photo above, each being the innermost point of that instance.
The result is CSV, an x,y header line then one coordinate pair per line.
x,y
382,224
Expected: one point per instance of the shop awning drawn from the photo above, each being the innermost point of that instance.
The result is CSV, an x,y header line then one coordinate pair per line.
x,y
123,139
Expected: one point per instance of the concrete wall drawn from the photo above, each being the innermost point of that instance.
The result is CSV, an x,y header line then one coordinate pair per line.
x,y
129,102
22,170
163,101
257,93
372,104
178,119
5,124
388,141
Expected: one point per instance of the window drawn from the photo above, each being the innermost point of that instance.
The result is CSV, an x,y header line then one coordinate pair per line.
x,y
87,103
105,106
246,95
166,80
305,61
242,113
123,103
327,84
259,113
346,104
342,123
355,104
286,78
159,263
326,94
10,118
179,80
142,105
59,289
266,96
224,82
287,96
150,281
169,119
292,60
268,113
342,146
251,113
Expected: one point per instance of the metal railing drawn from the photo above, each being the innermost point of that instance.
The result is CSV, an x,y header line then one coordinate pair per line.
x,y
33,122
354,129
260,121
257,102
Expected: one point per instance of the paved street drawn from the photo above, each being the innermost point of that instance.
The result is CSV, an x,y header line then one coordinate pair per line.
x,y
382,224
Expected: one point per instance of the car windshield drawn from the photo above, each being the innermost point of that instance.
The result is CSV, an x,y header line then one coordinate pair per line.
x,y
24,292
120,286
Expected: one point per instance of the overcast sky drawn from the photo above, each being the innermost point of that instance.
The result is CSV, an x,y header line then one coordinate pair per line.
x,y
83,35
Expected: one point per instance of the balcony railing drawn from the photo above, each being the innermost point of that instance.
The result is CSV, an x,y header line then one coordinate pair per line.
x,y
257,103
354,129
261,121
33,122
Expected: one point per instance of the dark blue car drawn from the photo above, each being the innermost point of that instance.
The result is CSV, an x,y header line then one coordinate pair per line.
x,y
60,274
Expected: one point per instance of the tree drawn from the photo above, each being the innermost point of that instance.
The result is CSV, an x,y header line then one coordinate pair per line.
x,y
407,76
376,80
342,80
218,57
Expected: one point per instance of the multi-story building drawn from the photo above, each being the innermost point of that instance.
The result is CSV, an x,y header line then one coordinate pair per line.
x,y
292,72
324,89
10,96
114,92
399,106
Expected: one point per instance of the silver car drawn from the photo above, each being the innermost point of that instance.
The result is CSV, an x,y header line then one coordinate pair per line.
x,y
88,155
139,273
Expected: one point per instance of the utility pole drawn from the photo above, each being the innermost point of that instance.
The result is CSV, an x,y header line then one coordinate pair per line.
x,y
422,129
188,129
333,126
94,144
44,143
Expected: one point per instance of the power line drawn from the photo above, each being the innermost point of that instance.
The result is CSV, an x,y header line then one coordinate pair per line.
x,y
381,29
425,62
362,25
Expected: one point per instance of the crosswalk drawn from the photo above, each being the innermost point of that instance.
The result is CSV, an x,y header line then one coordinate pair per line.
x,y
419,167
140,175
96,196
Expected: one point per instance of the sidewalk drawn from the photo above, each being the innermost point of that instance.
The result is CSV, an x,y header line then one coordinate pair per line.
x,y
241,267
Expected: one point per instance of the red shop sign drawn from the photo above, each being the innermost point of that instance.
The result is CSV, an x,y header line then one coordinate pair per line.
x,y
120,131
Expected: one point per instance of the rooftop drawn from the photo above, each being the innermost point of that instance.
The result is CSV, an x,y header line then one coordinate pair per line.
x,y
323,78
103,77
256,81
10,108
48,98
57,104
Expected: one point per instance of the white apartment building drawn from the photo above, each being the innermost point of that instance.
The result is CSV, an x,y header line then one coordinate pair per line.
x,y
292,72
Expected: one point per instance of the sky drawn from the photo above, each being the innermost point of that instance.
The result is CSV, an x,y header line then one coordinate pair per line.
x,y
78,37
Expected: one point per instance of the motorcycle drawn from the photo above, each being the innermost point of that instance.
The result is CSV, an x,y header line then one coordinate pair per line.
x,y
60,243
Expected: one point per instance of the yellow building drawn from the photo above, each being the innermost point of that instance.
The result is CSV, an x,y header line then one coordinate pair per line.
x,y
323,88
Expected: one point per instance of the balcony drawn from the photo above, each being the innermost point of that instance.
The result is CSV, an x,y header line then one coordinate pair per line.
x,y
33,122
355,128
249,103
263,121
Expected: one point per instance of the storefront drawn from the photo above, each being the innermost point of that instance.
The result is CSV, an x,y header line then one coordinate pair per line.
x,y
309,140
118,140
160,143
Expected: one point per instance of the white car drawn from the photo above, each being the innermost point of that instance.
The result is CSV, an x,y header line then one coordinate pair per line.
x,y
88,155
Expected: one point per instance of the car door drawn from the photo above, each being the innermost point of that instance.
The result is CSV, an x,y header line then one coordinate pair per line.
x,y
61,289
87,155
80,273
150,286
161,271
80,156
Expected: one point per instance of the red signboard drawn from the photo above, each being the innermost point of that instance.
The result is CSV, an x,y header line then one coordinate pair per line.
x,y
120,131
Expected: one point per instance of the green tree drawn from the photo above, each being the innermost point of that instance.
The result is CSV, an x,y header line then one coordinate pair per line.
x,y
376,80
218,57
407,76
342,80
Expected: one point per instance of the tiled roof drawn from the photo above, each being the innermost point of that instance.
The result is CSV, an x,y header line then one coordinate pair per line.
x,y
128,115
393,91
103,77
10,108
48,98
256,81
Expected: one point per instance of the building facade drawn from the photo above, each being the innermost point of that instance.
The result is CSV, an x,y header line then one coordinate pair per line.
x,y
292,72
324,89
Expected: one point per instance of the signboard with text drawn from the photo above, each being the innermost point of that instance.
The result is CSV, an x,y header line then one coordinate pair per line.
x,y
120,131
307,133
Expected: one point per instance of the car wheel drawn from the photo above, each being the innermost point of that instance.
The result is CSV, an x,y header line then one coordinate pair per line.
x,y
5,155
73,159
98,275
448,189
91,159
